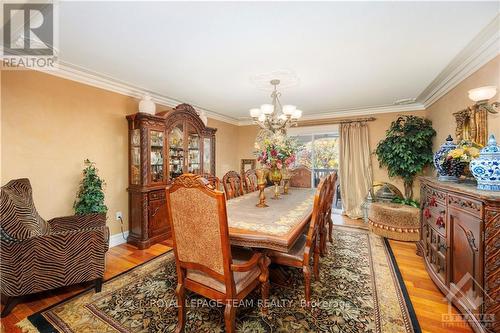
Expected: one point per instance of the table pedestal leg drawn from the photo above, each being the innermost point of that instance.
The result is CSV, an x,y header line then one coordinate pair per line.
x,y
278,275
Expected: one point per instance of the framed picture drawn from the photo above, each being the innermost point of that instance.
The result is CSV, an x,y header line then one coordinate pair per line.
x,y
247,164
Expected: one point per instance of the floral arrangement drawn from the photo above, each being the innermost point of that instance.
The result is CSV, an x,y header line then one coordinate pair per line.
x,y
276,150
457,160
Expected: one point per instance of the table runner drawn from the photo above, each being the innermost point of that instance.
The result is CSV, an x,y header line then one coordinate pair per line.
x,y
277,219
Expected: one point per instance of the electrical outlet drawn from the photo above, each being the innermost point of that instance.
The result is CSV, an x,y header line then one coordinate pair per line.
x,y
118,215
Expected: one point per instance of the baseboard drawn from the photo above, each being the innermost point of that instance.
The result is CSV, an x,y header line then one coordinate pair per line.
x,y
118,239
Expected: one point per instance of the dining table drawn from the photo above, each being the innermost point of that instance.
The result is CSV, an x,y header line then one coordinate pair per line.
x,y
275,227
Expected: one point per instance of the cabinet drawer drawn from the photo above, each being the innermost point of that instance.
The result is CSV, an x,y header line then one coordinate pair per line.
x,y
470,206
437,220
157,195
434,195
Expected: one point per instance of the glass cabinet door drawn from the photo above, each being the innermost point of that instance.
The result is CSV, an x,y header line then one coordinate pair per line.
x,y
156,162
194,154
207,155
135,157
176,151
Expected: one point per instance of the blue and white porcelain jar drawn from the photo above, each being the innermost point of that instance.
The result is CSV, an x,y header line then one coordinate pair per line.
x,y
439,157
486,168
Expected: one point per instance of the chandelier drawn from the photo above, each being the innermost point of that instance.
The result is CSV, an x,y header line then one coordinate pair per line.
x,y
275,117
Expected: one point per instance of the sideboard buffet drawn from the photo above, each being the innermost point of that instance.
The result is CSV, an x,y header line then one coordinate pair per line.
x,y
162,147
460,243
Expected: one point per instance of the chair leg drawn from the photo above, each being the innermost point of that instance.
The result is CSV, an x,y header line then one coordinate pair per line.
x,y
98,285
307,283
323,237
230,317
330,229
317,251
181,308
9,303
322,240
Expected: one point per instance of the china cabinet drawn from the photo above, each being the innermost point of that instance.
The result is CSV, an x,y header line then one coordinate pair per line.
x,y
460,240
162,147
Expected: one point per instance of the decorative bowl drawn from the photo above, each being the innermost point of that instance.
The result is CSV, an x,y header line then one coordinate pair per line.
x,y
439,157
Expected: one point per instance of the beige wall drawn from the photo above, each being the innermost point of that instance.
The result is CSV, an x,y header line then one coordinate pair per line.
x,y
457,99
226,148
246,141
50,125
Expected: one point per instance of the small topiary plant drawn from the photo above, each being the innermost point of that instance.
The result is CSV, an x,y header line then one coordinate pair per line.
x,y
90,196
407,149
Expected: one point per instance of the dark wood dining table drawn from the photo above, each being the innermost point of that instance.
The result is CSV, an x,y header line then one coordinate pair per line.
x,y
276,227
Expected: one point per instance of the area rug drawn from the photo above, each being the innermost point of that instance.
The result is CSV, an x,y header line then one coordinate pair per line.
x,y
360,290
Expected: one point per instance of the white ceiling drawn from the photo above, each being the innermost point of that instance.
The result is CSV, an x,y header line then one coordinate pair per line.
x,y
347,55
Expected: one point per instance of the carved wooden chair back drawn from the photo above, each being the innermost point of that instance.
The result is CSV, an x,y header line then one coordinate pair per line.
x,y
214,181
200,231
327,223
301,177
251,181
233,185
316,219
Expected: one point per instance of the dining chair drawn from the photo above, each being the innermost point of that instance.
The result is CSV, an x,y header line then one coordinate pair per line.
x,y
251,181
233,185
327,227
212,180
206,263
305,246
301,177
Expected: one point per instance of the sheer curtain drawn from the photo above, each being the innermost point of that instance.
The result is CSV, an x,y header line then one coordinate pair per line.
x,y
355,169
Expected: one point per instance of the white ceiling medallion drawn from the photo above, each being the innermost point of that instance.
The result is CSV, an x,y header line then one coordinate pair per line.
x,y
287,78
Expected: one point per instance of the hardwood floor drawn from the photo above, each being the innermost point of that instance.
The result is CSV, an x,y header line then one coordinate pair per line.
x,y
427,300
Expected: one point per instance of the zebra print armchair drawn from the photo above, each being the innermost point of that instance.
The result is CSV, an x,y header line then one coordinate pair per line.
x,y
38,255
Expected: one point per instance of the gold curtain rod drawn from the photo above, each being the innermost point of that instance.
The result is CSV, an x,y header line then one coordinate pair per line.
x,y
333,121
360,120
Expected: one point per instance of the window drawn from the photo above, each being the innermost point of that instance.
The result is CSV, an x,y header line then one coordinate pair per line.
x,y
319,153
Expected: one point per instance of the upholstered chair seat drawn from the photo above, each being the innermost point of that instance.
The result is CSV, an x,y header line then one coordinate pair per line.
x,y
295,253
241,279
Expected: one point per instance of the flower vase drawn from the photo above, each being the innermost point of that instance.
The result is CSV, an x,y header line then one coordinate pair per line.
x,y
275,176
261,183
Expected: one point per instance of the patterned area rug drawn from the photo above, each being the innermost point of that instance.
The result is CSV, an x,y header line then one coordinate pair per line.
x,y
359,291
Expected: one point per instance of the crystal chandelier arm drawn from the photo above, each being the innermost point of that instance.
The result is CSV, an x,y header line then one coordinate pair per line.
x,y
276,120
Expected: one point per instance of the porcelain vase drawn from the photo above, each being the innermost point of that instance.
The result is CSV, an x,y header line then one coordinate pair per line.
x,y
486,168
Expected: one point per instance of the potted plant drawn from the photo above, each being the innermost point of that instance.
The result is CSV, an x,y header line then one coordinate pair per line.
x,y
407,149
90,196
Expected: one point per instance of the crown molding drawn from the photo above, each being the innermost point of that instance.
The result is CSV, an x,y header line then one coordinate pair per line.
x,y
483,48
352,112
79,74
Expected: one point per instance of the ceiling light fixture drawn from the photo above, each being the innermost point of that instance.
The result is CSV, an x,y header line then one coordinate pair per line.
x,y
275,117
